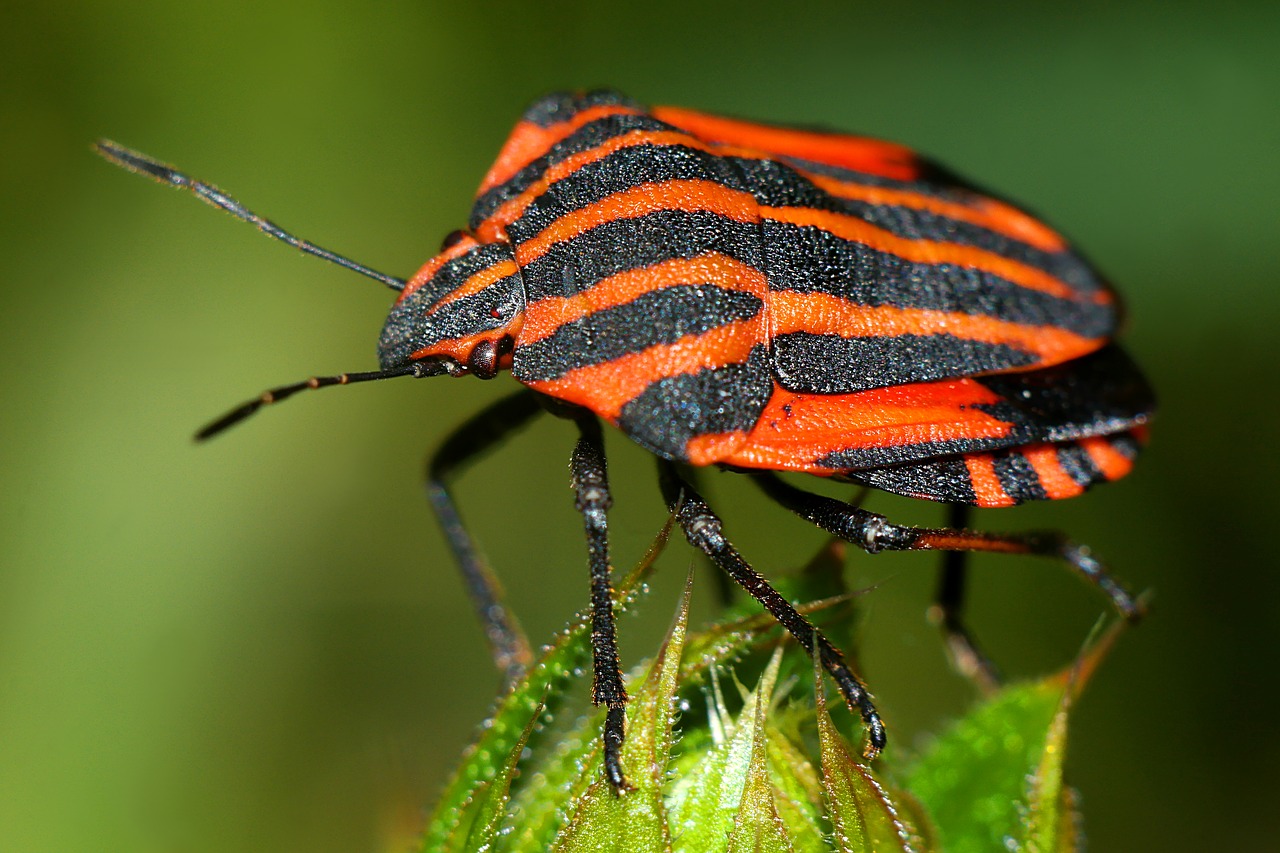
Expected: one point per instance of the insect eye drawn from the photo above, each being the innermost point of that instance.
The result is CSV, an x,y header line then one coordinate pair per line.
x,y
452,239
483,361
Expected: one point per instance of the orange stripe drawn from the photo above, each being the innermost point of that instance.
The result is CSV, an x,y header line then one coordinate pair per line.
x,y
478,282
824,314
927,251
858,153
984,212
529,141
430,268
459,349
544,317
987,490
1055,481
1112,463
796,430
493,228
713,447
965,540
606,388
639,201
946,410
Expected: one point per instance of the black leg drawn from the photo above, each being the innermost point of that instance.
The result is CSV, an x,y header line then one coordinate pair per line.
x,y
489,427
873,533
725,587
948,607
592,498
703,530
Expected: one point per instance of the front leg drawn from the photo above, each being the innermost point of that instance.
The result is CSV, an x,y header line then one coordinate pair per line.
x,y
592,498
464,445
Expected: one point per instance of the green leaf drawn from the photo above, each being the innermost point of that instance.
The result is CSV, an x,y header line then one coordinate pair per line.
x,y
543,687
706,800
480,817
797,789
757,825
776,777
994,780
635,822
862,808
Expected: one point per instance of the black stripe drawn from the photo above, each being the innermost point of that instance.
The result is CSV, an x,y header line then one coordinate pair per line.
x,y
1018,477
559,107
472,314
590,135
940,182
574,265
915,224
855,460
1125,443
935,480
620,171
828,364
1076,462
1099,394
453,273
671,411
774,184
658,317
408,328
807,259
934,179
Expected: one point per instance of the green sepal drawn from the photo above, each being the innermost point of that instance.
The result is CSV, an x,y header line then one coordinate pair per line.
x,y
605,820
561,663
994,779
863,808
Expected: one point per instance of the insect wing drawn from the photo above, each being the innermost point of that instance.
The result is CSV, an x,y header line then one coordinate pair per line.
x,y
1048,471
1100,394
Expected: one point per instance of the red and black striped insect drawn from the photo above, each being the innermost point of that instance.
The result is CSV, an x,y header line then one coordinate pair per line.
x,y
760,299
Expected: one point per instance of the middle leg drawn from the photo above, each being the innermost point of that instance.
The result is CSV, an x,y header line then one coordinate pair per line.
x,y
702,528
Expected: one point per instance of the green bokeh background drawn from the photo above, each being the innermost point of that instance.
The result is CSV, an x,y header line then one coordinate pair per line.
x,y
260,644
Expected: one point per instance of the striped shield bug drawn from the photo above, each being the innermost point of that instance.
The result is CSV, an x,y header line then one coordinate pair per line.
x,y
764,300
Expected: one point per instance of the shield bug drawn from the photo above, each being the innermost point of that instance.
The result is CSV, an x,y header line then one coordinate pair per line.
x,y
764,300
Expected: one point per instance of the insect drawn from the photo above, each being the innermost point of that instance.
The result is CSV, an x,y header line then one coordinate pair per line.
x,y
764,300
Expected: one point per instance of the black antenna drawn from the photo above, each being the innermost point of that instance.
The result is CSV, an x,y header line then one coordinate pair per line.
x,y
140,163
275,395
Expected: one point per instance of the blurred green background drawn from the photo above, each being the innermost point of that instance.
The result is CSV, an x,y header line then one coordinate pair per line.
x,y
260,644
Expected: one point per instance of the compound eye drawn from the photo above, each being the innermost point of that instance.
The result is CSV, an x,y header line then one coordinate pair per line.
x,y
483,361
452,239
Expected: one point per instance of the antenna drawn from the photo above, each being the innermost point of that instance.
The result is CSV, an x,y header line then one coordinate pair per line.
x,y
416,369
140,163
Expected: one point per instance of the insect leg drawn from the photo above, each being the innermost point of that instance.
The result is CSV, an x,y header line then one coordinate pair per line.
x,y
592,498
489,427
966,656
873,533
703,530
725,587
